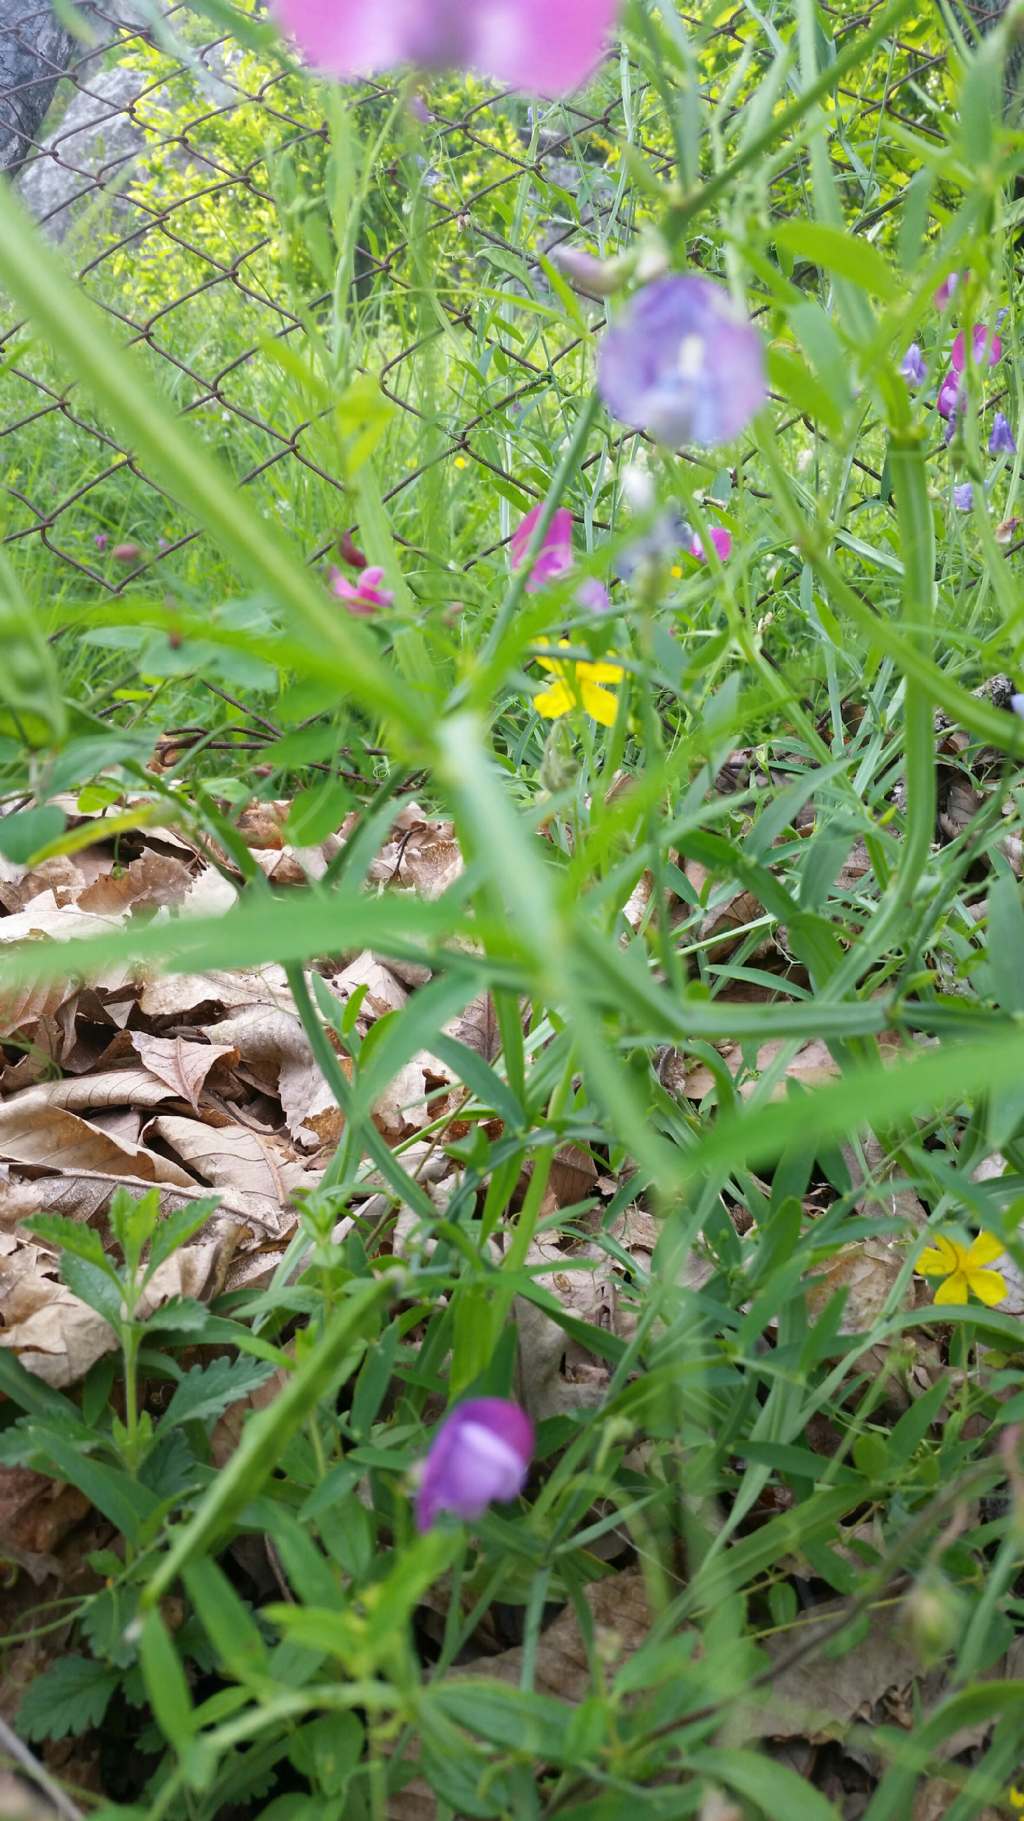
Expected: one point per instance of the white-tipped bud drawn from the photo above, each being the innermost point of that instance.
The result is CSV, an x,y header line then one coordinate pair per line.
x,y
594,277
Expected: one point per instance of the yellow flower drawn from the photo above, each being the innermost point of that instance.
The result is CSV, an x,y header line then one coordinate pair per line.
x,y
964,1269
1016,1798
576,685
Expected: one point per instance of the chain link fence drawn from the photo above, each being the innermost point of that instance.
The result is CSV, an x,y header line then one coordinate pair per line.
x,y
184,176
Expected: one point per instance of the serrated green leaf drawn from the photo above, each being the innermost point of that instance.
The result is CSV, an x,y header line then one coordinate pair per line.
x,y
67,1699
207,1390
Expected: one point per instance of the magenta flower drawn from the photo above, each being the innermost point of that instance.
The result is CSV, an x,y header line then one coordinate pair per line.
x,y
364,597
683,364
913,368
524,44
946,289
948,401
481,1452
101,540
554,558
984,342
1001,440
963,497
721,539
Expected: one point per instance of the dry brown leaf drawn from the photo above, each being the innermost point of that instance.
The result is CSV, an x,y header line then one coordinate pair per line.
x,y
34,1132
622,1619
151,879
106,1088
383,992
477,1027
174,995
934,1799
805,1703
868,1270
57,1336
180,1065
555,1374
229,1157
36,1515
403,1108
274,1045
421,854
20,1803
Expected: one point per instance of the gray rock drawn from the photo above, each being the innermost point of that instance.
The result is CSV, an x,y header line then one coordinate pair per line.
x,y
94,151
34,52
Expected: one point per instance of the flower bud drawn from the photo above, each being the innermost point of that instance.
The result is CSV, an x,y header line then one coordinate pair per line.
x,y
481,1452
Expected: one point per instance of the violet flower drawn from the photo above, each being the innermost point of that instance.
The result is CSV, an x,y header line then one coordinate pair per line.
x,y
1017,704
682,363
593,596
1002,440
101,539
364,597
963,497
481,1452
913,368
948,401
984,342
721,539
554,557
524,44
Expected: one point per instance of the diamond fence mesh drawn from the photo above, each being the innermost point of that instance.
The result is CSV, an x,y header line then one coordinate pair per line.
x,y
187,176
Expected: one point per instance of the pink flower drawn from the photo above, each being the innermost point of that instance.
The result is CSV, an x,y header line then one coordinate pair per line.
x,y
525,44
481,1452
721,539
983,341
364,597
555,555
946,289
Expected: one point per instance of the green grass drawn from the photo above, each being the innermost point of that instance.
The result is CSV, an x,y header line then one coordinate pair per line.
x,y
823,819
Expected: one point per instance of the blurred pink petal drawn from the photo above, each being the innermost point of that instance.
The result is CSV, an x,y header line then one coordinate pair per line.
x,y
721,539
364,597
555,555
985,343
526,44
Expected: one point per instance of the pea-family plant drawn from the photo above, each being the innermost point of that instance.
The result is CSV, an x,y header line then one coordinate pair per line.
x,y
560,1354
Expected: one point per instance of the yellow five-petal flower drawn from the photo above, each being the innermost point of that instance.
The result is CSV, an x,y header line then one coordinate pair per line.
x,y
578,685
964,1269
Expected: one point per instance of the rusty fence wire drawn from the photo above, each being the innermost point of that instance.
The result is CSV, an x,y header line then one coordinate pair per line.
x,y
183,174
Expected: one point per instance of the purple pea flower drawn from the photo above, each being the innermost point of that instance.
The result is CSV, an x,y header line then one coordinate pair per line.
x,y
101,540
554,558
721,539
963,497
524,44
948,402
1001,441
985,343
364,597
683,364
913,368
481,1452
593,596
